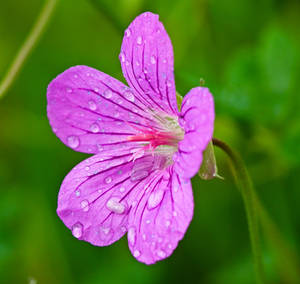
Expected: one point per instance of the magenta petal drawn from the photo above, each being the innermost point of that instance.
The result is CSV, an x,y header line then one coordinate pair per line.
x,y
92,200
160,219
147,62
197,119
91,111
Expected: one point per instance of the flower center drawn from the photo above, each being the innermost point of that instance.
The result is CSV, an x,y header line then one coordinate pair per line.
x,y
163,140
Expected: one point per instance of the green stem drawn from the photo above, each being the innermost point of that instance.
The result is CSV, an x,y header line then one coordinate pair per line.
x,y
244,183
28,45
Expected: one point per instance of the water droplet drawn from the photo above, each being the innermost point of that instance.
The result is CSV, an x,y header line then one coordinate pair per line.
x,y
168,223
144,237
169,84
169,246
128,32
94,128
77,230
69,90
153,59
148,221
138,175
100,191
129,96
161,253
114,205
122,189
87,168
105,230
108,180
85,205
77,192
116,114
96,90
108,93
122,57
127,63
164,61
136,253
155,198
75,76
139,40
92,105
123,229
131,236
174,213
73,141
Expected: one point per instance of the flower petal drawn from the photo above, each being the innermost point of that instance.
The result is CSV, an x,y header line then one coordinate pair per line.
x,y
147,62
197,119
91,111
97,195
161,217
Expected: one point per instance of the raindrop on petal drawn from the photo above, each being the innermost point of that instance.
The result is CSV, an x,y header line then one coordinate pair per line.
x,y
108,180
94,128
161,253
129,96
77,229
136,253
131,236
155,198
92,105
85,205
108,93
73,141
114,205
139,40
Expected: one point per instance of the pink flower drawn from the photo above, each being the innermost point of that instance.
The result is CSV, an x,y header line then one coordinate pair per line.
x,y
145,150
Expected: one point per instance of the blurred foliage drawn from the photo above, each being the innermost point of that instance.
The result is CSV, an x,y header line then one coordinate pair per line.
x,y
248,53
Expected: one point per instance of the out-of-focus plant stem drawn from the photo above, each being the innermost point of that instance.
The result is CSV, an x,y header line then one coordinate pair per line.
x,y
287,260
244,183
28,45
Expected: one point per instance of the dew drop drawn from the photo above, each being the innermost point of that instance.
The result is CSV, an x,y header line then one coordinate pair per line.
x,y
94,128
169,246
161,253
100,191
169,84
92,105
131,236
122,57
85,205
73,141
148,221
87,168
123,229
138,175
155,198
164,61
144,237
116,114
174,213
152,59
139,40
129,96
114,205
108,180
69,90
108,93
122,189
77,192
128,32
105,230
75,76
77,230
168,223
136,253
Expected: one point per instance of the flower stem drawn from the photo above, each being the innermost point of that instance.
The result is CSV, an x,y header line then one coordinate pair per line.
x,y
245,185
28,45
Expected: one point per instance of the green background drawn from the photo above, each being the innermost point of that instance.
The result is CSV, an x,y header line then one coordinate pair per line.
x,y
247,51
